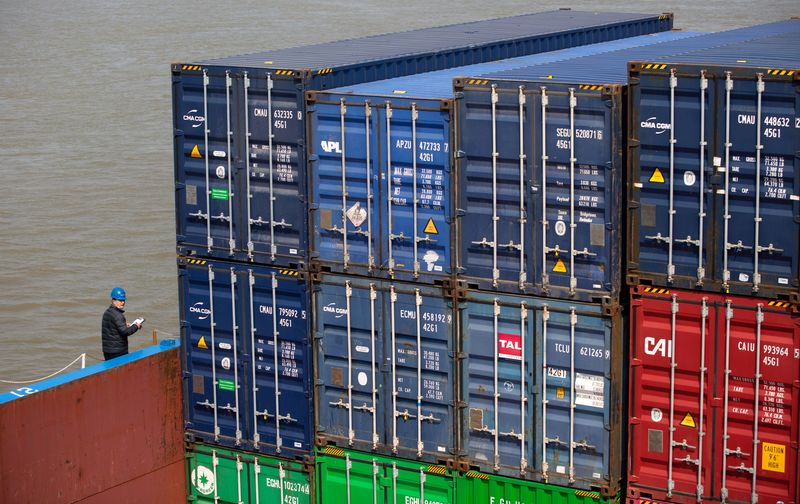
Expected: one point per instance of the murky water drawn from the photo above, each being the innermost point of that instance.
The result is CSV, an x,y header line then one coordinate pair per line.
x,y
86,142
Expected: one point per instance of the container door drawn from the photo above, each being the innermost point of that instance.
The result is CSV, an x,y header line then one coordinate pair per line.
x,y
205,111
345,186
579,182
215,401
275,213
494,199
418,483
576,387
672,432
670,178
497,340
279,373
419,332
276,480
217,477
417,191
759,369
760,197
350,382
350,477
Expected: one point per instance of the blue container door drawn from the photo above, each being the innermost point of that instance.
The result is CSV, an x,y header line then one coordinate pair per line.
x,y
274,209
672,184
759,224
345,185
205,111
280,361
494,195
416,190
211,317
418,329
499,386
575,420
578,173
349,386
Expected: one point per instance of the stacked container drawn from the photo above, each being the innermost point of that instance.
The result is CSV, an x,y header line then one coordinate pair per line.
x,y
249,309
714,207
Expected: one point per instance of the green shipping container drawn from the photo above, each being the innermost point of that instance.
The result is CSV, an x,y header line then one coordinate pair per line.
x,y
345,476
222,476
479,488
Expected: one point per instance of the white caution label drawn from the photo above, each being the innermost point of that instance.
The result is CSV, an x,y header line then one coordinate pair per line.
x,y
589,390
357,215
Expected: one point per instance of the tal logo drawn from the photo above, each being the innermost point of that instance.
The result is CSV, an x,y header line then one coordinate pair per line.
x,y
509,346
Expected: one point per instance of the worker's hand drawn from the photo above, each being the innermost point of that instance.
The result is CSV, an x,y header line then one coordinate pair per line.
x,y
139,325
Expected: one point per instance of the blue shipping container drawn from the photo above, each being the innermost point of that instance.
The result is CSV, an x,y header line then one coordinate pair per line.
x,y
543,387
716,203
396,222
240,391
544,145
239,122
384,368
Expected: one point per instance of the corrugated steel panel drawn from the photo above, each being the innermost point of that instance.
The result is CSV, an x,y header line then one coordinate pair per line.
x,y
240,132
713,397
350,476
239,390
734,185
473,486
216,475
458,44
541,381
93,434
384,367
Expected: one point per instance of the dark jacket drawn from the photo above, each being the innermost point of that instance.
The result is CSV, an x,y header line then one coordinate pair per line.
x,y
116,331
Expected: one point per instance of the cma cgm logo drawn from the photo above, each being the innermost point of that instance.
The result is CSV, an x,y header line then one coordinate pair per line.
x,y
332,308
660,347
331,146
650,123
194,117
200,309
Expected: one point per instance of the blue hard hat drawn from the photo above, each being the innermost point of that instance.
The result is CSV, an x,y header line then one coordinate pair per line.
x,y
118,293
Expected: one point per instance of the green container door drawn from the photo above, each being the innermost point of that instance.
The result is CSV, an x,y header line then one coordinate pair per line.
x,y
222,476
350,477
480,488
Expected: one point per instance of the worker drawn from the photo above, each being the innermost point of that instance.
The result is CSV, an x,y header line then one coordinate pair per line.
x,y
114,329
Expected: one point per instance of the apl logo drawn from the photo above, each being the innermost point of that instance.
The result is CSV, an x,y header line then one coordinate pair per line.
x,y
192,116
660,347
203,480
330,146
200,309
332,308
650,123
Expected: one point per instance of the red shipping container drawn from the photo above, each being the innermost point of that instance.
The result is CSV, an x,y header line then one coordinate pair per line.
x,y
696,362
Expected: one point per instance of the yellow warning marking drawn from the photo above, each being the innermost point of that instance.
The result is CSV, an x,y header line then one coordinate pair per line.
x,y
202,343
779,304
773,457
584,493
196,152
657,177
436,469
332,450
560,267
548,76
268,62
656,290
560,393
430,227
688,421
475,474
191,67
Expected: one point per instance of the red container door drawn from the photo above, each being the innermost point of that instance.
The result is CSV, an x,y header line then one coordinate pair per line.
x,y
671,379
758,373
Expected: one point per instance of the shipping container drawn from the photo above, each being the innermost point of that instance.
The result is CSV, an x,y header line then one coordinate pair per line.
x,y
541,170
397,223
384,367
713,398
240,130
246,356
483,488
715,203
542,390
354,477
218,475
111,432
